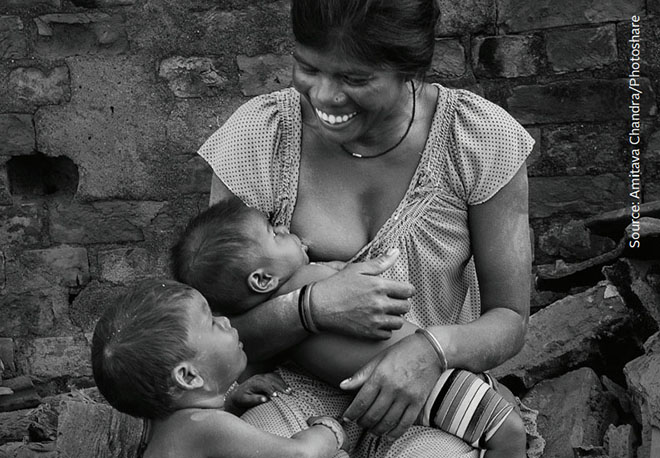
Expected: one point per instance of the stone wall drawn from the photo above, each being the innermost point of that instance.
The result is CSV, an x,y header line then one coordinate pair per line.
x,y
103,104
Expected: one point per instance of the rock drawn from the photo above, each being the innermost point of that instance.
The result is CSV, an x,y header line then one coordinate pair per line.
x,y
639,282
448,58
507,56
521,15
193,76
573,241
88,306
35,87
643,379
7,354
88,429
619,441
22,225
568,334
613,223
619,393
13,40
70,34
264,74
552,196
578,100
574,412
573,50
51,357
16,134
469,16
124,265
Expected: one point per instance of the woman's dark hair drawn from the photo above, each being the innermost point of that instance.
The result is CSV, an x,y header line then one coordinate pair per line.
x,y
393,34
137,342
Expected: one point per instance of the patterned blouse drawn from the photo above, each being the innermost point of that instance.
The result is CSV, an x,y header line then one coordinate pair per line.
x,y
473,149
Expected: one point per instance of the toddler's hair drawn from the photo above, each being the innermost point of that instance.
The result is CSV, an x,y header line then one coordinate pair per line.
x,y
137,343
214,255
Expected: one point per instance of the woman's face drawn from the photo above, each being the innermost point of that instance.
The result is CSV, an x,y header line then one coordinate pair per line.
x,y
352,102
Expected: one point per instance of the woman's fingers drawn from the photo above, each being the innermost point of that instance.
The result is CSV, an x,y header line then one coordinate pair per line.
x,y
389,420
405,422
378,265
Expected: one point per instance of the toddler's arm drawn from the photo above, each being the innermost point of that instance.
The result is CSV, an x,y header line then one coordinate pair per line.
x,y
221,434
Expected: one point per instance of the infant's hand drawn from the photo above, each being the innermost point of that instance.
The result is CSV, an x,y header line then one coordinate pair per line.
x,y
334,426
257,390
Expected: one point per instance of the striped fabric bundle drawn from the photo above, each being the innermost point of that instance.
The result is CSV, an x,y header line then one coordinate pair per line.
x,y
465,405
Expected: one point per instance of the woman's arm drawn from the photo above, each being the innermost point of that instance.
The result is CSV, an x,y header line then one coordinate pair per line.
x,y
395,384
354,301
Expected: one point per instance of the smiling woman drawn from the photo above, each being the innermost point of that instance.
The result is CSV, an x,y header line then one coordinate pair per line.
x,y
363,157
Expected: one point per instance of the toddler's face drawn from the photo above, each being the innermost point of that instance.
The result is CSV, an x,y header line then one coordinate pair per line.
x,y
281,251
219,354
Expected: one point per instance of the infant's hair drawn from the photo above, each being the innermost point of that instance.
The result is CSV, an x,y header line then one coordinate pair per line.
x,y
137,342
214,255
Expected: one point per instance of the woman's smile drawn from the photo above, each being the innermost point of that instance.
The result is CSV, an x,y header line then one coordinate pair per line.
x,y
334,119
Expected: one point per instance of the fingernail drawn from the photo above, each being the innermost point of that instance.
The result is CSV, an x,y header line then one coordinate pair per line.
x,y
264,399
347,380
274,394
346,420
288,391
392,251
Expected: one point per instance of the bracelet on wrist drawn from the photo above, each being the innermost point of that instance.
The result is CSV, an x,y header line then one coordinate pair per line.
x,y
334,426
305,309
436,346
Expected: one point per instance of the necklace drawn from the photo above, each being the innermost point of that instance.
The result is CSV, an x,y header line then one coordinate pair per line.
x,y
405,134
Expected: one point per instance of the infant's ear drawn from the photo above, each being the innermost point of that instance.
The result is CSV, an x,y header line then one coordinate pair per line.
x,y
262,282
186,376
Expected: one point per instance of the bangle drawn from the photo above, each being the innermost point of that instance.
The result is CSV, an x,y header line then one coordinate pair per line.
x,y
307,308
334,426
436,346
301,309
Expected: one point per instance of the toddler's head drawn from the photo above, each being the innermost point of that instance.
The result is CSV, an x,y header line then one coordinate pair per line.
x,y
159,342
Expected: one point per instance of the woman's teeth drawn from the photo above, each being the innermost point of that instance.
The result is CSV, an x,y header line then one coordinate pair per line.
x,y
332,119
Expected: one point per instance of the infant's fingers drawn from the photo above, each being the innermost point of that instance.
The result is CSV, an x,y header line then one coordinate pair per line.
x,y
277,383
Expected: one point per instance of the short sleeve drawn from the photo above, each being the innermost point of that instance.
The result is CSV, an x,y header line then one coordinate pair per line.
x,y
241,153
488,147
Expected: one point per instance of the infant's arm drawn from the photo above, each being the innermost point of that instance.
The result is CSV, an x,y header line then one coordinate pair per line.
x,y
334,357
224,435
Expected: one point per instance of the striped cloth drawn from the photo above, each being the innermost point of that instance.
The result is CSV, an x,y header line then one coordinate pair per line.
x,y
466,406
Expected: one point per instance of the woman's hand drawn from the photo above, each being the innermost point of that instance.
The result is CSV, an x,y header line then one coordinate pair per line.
x,y
393,387
356,302
254,391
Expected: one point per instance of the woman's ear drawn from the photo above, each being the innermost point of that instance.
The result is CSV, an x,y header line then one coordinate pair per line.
x,y
187,377
262,282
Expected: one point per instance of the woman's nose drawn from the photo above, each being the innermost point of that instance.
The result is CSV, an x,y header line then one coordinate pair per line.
x,y
329,92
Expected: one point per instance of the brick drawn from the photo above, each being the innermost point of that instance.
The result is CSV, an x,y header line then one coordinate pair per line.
x,y
470,16
572,50
566,335
22,225
107,3
643,380
448,58
620,441
31,3
36,313
579,101
63,35
5,195
3,275
38,87
51,357
113,129
124,265
193,76
16,134
583,195
535,154
89,305
94,429
13,42
522,15
579,149
7,354
572,241
574,412
508,56
101,222
265,73
42,269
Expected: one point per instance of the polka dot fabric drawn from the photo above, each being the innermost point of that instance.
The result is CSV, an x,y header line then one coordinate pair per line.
x,y
473,149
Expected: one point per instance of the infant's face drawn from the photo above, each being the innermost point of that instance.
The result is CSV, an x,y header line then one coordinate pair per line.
x,y
279,249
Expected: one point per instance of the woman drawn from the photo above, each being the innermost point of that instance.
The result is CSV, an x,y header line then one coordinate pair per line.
x,y
361,157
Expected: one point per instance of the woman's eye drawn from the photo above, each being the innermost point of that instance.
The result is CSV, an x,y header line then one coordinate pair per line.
x,y
356,80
